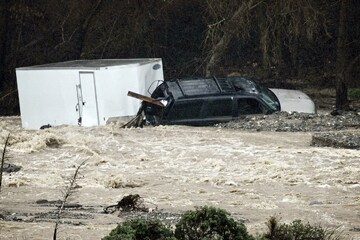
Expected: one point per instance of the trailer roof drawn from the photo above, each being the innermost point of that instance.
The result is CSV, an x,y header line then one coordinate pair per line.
x,y
92,64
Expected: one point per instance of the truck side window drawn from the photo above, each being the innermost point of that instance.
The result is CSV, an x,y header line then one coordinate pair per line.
x,y
219,108
249,106
186,110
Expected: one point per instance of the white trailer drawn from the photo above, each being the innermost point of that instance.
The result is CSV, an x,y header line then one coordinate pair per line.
x,y
84,92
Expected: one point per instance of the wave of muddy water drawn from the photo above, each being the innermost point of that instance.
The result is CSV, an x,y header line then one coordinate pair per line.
x,y
253,175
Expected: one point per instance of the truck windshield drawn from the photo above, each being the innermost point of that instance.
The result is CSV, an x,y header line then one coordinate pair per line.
x,y
269,97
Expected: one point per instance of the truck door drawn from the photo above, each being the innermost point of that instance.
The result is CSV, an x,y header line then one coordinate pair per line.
x,y
87,100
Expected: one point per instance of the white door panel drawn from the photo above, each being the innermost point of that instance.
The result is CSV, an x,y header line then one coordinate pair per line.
x,y
89,109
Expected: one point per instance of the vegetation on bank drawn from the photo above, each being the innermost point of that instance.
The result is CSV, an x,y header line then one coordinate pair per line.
x,y
354,93
210,223
314,41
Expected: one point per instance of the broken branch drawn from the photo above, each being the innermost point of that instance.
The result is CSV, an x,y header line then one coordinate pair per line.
x,y
145,98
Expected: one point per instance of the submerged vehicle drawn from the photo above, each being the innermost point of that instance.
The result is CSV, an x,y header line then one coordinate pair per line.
x,y
207,101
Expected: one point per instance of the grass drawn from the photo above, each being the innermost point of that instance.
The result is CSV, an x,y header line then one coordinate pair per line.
x,y
354,93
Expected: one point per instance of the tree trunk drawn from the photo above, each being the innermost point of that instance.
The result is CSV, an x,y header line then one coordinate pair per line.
x,y
229,31
217,52
80,35
4,17
342,102
264,39
294,50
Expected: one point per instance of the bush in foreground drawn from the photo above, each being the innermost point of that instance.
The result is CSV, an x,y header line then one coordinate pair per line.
x,y
210,223
140,229
297,230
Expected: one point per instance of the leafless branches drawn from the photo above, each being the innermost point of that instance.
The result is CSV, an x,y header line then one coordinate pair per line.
x,y
69,190
279,24
3,157
220,35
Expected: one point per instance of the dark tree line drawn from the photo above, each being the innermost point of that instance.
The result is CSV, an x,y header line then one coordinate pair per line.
x,y
267,39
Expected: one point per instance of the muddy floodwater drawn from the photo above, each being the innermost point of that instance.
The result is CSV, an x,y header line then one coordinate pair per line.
x,y
253,175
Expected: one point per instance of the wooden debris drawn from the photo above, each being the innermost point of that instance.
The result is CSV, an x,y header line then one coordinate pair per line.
x,y
132,202
137,121
145,98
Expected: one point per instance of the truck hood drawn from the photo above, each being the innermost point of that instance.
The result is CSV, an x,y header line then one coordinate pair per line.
x,y
294,101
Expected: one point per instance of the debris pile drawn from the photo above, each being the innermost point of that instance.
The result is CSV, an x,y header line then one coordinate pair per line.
x,y
132,202
296,122
336,140
9,168
330,129
133,206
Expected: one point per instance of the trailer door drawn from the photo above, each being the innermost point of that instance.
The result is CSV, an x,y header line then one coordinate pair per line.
x,y
87,100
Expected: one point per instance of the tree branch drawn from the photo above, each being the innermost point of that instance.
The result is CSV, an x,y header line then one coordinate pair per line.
x,y
229,31
3,158
68,191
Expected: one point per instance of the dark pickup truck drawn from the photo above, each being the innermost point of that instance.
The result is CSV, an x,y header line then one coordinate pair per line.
x,y
207,101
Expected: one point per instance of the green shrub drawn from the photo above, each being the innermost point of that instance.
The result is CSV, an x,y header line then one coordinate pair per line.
x,y
210,223
297,231
354,93
140,229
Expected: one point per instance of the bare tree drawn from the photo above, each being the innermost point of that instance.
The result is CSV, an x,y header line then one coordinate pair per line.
x,y
4,19
3,157
71,21
81,34
286,24
280,25
69,190
227,29
342,102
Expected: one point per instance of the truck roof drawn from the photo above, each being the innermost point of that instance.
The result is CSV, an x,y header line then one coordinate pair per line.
x,y
210,86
